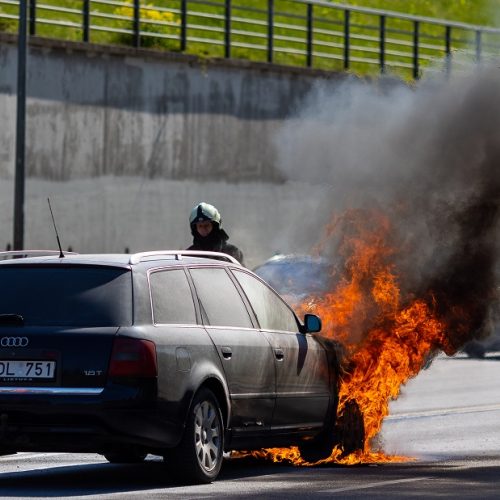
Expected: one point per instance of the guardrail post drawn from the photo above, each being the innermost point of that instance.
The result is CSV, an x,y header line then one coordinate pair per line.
x,y
227,29
478,46
270,30
309,56
137,20
347,15
32,30
86,20
183,25
382,44
416,29
447,43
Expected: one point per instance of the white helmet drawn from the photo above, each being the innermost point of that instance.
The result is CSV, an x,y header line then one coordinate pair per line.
x,y
204,211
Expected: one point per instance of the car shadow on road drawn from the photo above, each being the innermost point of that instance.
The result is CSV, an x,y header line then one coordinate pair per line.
x,y
84,479
105,478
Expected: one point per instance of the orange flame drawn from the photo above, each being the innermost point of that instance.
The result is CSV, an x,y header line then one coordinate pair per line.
x,y
388,336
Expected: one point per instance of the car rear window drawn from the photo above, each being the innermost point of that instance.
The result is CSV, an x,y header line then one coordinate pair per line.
x,y
67,296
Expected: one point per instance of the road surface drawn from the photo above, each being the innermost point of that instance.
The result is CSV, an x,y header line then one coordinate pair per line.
x,y
447,419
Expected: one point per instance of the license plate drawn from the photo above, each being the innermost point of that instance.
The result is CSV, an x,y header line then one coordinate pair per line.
x,y
14,369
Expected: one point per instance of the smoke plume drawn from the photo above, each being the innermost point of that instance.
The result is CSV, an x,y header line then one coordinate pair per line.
x,y
428,158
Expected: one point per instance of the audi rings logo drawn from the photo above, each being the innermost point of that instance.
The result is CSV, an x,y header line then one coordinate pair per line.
x,y
14,341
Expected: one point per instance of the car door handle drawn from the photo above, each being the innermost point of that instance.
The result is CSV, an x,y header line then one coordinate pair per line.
x,y
227,353
280,355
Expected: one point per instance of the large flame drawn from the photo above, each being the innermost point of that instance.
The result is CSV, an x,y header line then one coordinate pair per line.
x,y
388,335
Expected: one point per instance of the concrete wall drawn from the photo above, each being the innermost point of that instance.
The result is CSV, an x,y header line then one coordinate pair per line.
x,y
126,141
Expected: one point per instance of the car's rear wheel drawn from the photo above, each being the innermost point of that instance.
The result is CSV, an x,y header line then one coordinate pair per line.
x,y
125,457
198,457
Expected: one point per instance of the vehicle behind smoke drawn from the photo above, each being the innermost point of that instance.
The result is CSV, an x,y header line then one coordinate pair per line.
x,y
489,339
297,277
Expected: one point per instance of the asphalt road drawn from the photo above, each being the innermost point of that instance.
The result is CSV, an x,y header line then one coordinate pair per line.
x,y
447,419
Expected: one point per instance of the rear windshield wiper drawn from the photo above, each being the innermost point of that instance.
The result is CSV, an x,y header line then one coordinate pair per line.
x,y
11,320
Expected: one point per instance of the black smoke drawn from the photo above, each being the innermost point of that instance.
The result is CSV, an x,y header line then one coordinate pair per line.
x,y
427,155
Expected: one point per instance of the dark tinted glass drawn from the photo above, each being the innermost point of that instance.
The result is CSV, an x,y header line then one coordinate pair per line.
x,y
172,299
271,311
220,299
67,296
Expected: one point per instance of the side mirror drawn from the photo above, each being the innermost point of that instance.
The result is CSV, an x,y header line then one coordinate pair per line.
x,y
312,323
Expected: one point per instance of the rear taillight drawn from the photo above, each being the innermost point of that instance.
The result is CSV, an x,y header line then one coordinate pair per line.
x,y
133,358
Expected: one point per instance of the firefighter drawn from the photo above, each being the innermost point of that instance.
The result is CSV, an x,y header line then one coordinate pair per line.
x,y
205,221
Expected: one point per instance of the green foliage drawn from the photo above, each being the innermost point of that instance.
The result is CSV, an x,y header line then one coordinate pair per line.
x,y
113,22
6,24
157,27
480,12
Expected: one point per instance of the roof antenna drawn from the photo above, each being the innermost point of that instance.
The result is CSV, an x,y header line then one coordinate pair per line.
x,y
61,254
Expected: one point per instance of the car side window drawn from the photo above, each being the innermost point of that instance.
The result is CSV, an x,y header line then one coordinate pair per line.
x,y
171,297
219,298
272,313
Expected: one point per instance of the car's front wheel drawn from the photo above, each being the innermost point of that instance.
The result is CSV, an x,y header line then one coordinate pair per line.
x,y
319,448
348,434
350,429
198,457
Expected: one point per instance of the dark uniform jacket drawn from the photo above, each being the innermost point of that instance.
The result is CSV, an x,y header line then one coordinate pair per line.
x,y
216,241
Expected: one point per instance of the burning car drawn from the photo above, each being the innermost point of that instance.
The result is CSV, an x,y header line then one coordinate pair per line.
x,y
179,354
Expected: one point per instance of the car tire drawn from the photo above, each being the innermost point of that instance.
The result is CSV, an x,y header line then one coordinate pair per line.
x,y
198,457
128,457
348,434
319,448
475,350
350,429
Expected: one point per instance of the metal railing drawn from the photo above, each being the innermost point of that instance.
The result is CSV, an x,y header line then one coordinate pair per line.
x,y
311,33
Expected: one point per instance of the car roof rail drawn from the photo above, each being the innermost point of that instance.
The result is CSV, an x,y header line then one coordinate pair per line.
x,y
20,254
178,254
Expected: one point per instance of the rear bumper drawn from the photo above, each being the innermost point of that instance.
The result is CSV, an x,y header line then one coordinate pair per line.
x,y
83,420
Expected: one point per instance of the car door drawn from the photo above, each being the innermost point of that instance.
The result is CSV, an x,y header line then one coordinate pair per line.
x,y
245,352
185,352
302,373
